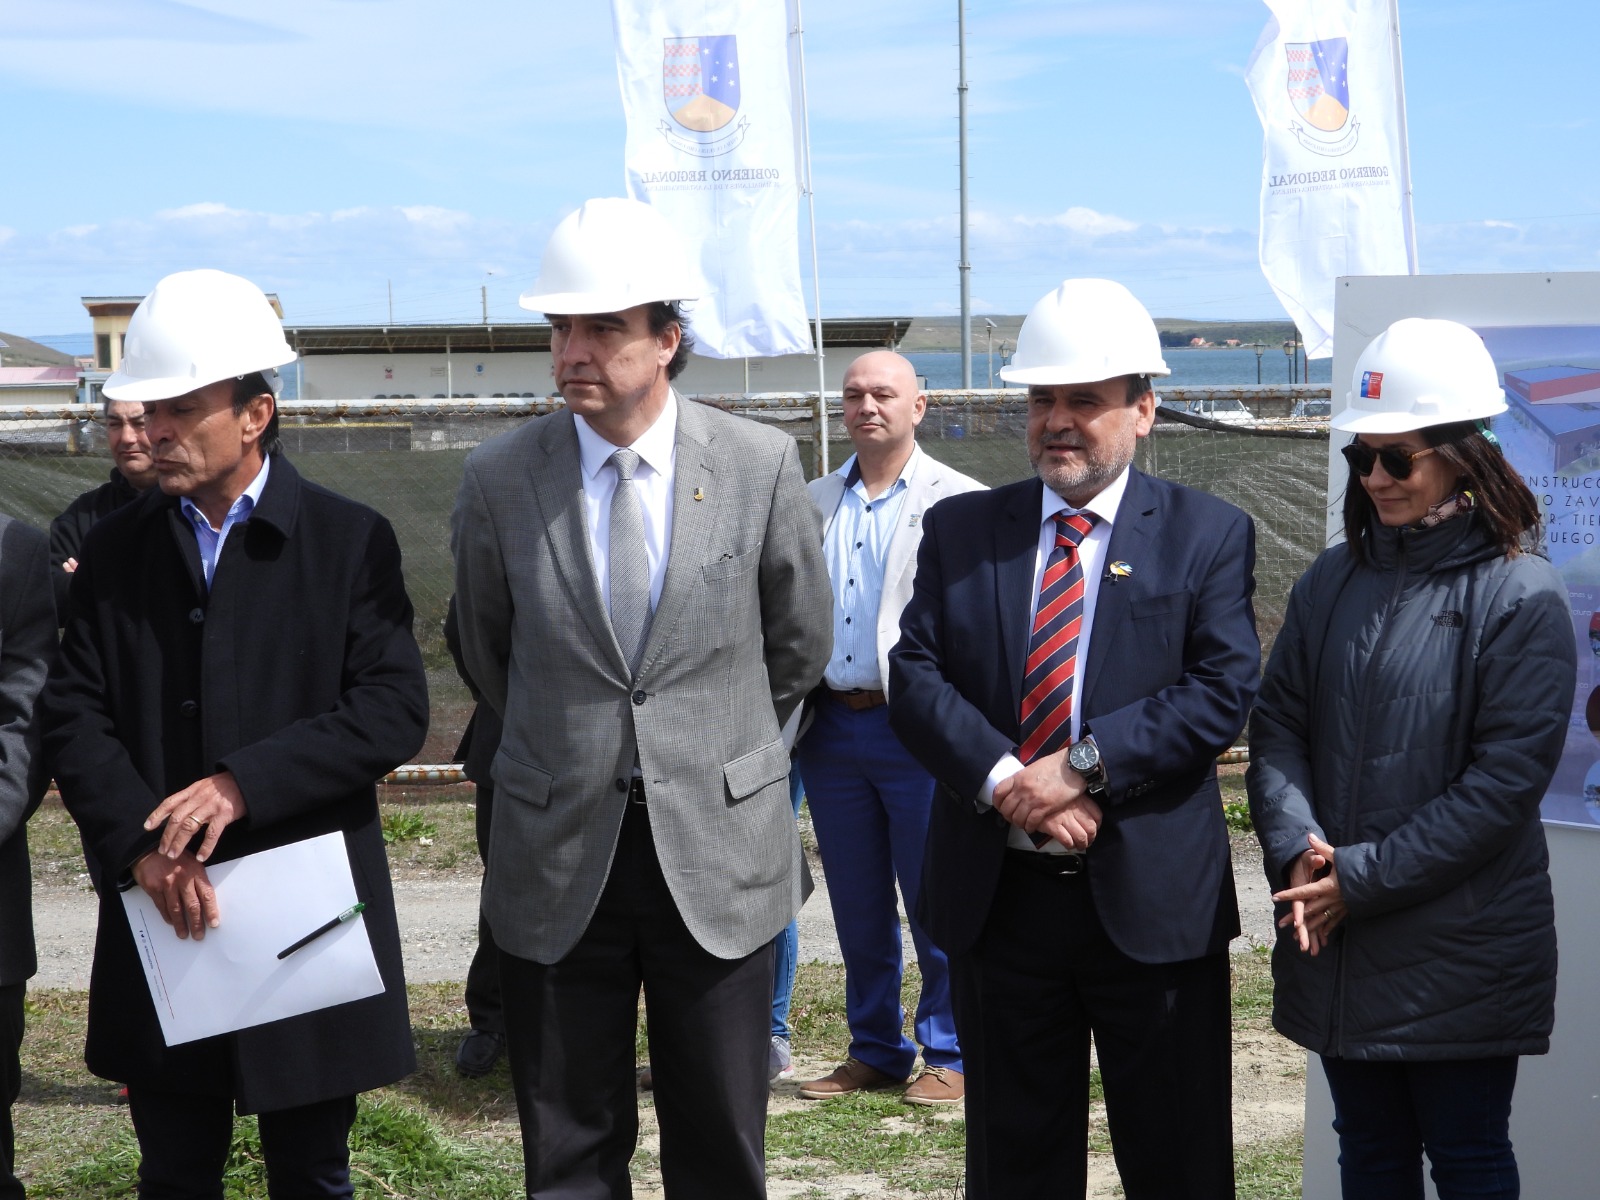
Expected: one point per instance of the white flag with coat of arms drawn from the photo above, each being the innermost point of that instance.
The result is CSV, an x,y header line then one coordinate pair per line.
x,y
1326,86
707,93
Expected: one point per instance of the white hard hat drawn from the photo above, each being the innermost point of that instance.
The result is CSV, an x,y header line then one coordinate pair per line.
x,y
1420,372
1085,331
195,328
610,255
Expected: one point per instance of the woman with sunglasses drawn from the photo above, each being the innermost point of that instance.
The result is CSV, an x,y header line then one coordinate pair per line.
x,y
1409,720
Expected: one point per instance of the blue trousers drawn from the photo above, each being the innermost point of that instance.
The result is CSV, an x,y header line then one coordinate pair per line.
x,y
1388,1113
869,804
786,946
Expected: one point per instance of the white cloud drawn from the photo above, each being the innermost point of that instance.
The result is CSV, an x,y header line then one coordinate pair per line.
x,y
430,217
328,269
1084,221
204,208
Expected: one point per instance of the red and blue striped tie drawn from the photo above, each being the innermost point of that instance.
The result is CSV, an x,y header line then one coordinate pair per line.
x,y
1053,646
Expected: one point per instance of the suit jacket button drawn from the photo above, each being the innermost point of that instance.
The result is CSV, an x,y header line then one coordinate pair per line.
x,y
189,708
196,615
638,697
622,785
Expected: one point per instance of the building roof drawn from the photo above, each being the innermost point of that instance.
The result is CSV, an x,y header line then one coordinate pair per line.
x,y
1559,420
123,306
38,376
526,336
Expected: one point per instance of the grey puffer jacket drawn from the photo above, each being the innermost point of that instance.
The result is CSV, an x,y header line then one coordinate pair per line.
x,y
1411,715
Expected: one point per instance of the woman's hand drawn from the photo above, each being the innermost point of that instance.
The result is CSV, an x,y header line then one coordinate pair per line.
x,y
1313,894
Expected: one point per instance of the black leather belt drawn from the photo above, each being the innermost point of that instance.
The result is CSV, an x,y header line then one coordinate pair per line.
x,y
1074,862
636,790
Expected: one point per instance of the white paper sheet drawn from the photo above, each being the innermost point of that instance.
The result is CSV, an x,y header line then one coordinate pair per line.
x,y
233,978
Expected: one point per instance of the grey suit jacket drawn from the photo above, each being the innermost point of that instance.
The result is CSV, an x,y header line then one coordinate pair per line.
x,y
27,648
742,631
931,481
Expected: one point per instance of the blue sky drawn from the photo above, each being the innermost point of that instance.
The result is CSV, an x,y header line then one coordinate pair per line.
x,y
325,148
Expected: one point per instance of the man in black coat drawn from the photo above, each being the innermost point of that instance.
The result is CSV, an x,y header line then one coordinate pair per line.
x,y
27,645
133,474
238,668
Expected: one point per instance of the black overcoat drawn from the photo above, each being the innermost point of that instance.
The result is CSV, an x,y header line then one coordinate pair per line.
x,y
298,673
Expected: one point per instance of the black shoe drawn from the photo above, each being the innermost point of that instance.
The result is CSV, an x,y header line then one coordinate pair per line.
x,y
478,1052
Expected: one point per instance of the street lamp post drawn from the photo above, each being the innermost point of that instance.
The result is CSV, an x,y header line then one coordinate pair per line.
x,y
989,328
1258,347
1288,357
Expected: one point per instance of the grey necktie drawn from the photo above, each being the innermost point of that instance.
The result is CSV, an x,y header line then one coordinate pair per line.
x,y
629,564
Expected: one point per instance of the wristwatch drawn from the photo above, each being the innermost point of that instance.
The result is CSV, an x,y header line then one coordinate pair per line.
x,y
1084,758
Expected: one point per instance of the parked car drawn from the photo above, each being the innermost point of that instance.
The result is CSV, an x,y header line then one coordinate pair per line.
x,y
1228,412
1312,408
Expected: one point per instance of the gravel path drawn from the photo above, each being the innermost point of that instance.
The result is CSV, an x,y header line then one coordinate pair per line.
x,y
438,923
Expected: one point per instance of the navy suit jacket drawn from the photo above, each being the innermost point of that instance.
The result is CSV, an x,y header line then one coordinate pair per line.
x,y
1172,666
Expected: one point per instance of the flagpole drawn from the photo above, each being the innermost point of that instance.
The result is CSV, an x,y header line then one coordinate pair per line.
x,y
964,268
821,455
1408,214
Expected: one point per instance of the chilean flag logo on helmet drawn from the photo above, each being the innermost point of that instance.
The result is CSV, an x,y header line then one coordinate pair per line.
x,y
1372,385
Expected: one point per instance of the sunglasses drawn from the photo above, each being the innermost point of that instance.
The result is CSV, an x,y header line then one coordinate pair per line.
x,y
1397,463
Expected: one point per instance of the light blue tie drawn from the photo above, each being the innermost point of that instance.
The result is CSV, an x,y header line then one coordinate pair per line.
x,y
629,570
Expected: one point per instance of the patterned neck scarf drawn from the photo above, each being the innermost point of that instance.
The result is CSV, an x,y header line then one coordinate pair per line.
x,y
1454,505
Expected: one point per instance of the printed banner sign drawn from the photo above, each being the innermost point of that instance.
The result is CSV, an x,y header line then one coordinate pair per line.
x,y
1332,185
706,89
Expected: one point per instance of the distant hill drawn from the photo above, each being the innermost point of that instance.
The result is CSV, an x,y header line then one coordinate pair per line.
x,y
20,352
944,333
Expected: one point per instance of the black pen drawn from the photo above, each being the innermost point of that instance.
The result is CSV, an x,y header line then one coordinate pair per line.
x,y
348,914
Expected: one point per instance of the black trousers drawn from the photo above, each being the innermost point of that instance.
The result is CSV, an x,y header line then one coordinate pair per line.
x,y
184,1140
11,1022
1043,977
483,973
570,1041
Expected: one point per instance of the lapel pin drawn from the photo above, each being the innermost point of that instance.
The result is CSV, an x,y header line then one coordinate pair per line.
x,y
1119,570
916,518
699,495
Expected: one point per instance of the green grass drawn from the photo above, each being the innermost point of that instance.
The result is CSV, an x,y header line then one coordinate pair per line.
x,y
407,826
1268,1170
428,829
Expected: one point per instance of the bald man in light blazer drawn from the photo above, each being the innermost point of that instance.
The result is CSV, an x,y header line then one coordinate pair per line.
x,y
870,799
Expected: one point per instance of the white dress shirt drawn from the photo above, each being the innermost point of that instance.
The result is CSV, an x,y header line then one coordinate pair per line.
x,y
1092,554
652,483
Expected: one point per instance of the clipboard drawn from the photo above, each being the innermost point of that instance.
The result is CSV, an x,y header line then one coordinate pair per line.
x,y
232,978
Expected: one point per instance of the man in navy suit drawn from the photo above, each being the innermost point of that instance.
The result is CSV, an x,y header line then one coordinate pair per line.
x,y
1077,651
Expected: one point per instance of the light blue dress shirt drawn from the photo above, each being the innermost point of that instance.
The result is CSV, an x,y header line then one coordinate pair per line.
x,y
857,550
211,540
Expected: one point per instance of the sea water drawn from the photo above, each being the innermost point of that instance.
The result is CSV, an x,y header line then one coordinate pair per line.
x,y
1190,368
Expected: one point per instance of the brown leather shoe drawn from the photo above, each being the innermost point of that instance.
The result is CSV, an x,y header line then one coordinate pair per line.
x,y
936,1086
852,1075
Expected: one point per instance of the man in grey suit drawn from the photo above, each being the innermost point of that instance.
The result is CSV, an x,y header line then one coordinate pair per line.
x,y
869,798
642,596
27,648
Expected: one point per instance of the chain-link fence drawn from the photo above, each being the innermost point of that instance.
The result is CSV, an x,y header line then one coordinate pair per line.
x,y
404,458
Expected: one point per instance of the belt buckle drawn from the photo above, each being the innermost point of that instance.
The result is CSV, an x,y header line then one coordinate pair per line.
x,y
636,791
1071,864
